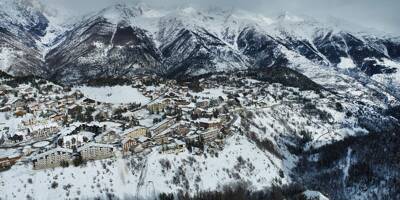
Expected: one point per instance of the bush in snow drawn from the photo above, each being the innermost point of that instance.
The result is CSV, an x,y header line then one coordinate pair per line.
x,y
64,163
339,107
164,196
54,185
165,164
307,137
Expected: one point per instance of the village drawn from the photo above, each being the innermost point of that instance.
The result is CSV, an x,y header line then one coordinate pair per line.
x,y
50,126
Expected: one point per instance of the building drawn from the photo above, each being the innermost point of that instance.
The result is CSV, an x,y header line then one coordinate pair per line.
x,y
7,162
156,107
18,104
162,138
43,131
181,102
20,113
162,126
52,158
96,151
210,124
182,129
30,122
57,117
128,144
144,142
203,104
90,102
136,132
108,137
51,104
75,95
173,148
74,110
34,107
210,136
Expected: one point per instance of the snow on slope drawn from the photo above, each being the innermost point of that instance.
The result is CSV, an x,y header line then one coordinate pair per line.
x,y
7,58
392,80
114,94
343,82
314,195
144,177
346,63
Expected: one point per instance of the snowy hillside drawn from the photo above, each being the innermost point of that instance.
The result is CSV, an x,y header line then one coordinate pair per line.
x,y
115,95
147,176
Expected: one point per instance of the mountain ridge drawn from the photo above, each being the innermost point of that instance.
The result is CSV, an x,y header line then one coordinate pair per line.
x,y
188,42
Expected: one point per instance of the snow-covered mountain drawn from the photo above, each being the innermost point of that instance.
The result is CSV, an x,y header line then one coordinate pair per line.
x,y
21,27
123,40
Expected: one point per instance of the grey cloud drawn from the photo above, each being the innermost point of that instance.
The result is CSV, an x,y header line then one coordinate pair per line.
x,y
379,14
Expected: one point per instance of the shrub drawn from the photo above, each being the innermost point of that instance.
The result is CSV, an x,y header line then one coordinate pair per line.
x,y
165,164
164,196
310,106
54,185
339,107
77,161
64,163
361,172
307,137
265,144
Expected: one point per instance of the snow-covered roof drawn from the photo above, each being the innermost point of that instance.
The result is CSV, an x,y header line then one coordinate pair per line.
x,y
9,153
208,121
142,139
161,123
179,142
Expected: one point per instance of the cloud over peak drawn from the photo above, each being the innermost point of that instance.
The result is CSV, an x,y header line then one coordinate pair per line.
x,y
380,15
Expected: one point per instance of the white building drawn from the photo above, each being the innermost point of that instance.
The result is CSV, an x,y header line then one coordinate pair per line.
x,y
43,131
52,158
96,151
135,132
174,148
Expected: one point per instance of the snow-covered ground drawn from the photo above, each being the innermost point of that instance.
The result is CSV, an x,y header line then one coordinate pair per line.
x,y
391,80
114,94
314,195
13,123
144,177
9,153
6,59
346,63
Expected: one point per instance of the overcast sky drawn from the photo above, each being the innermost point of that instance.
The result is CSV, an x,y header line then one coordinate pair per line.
x,y
380,14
